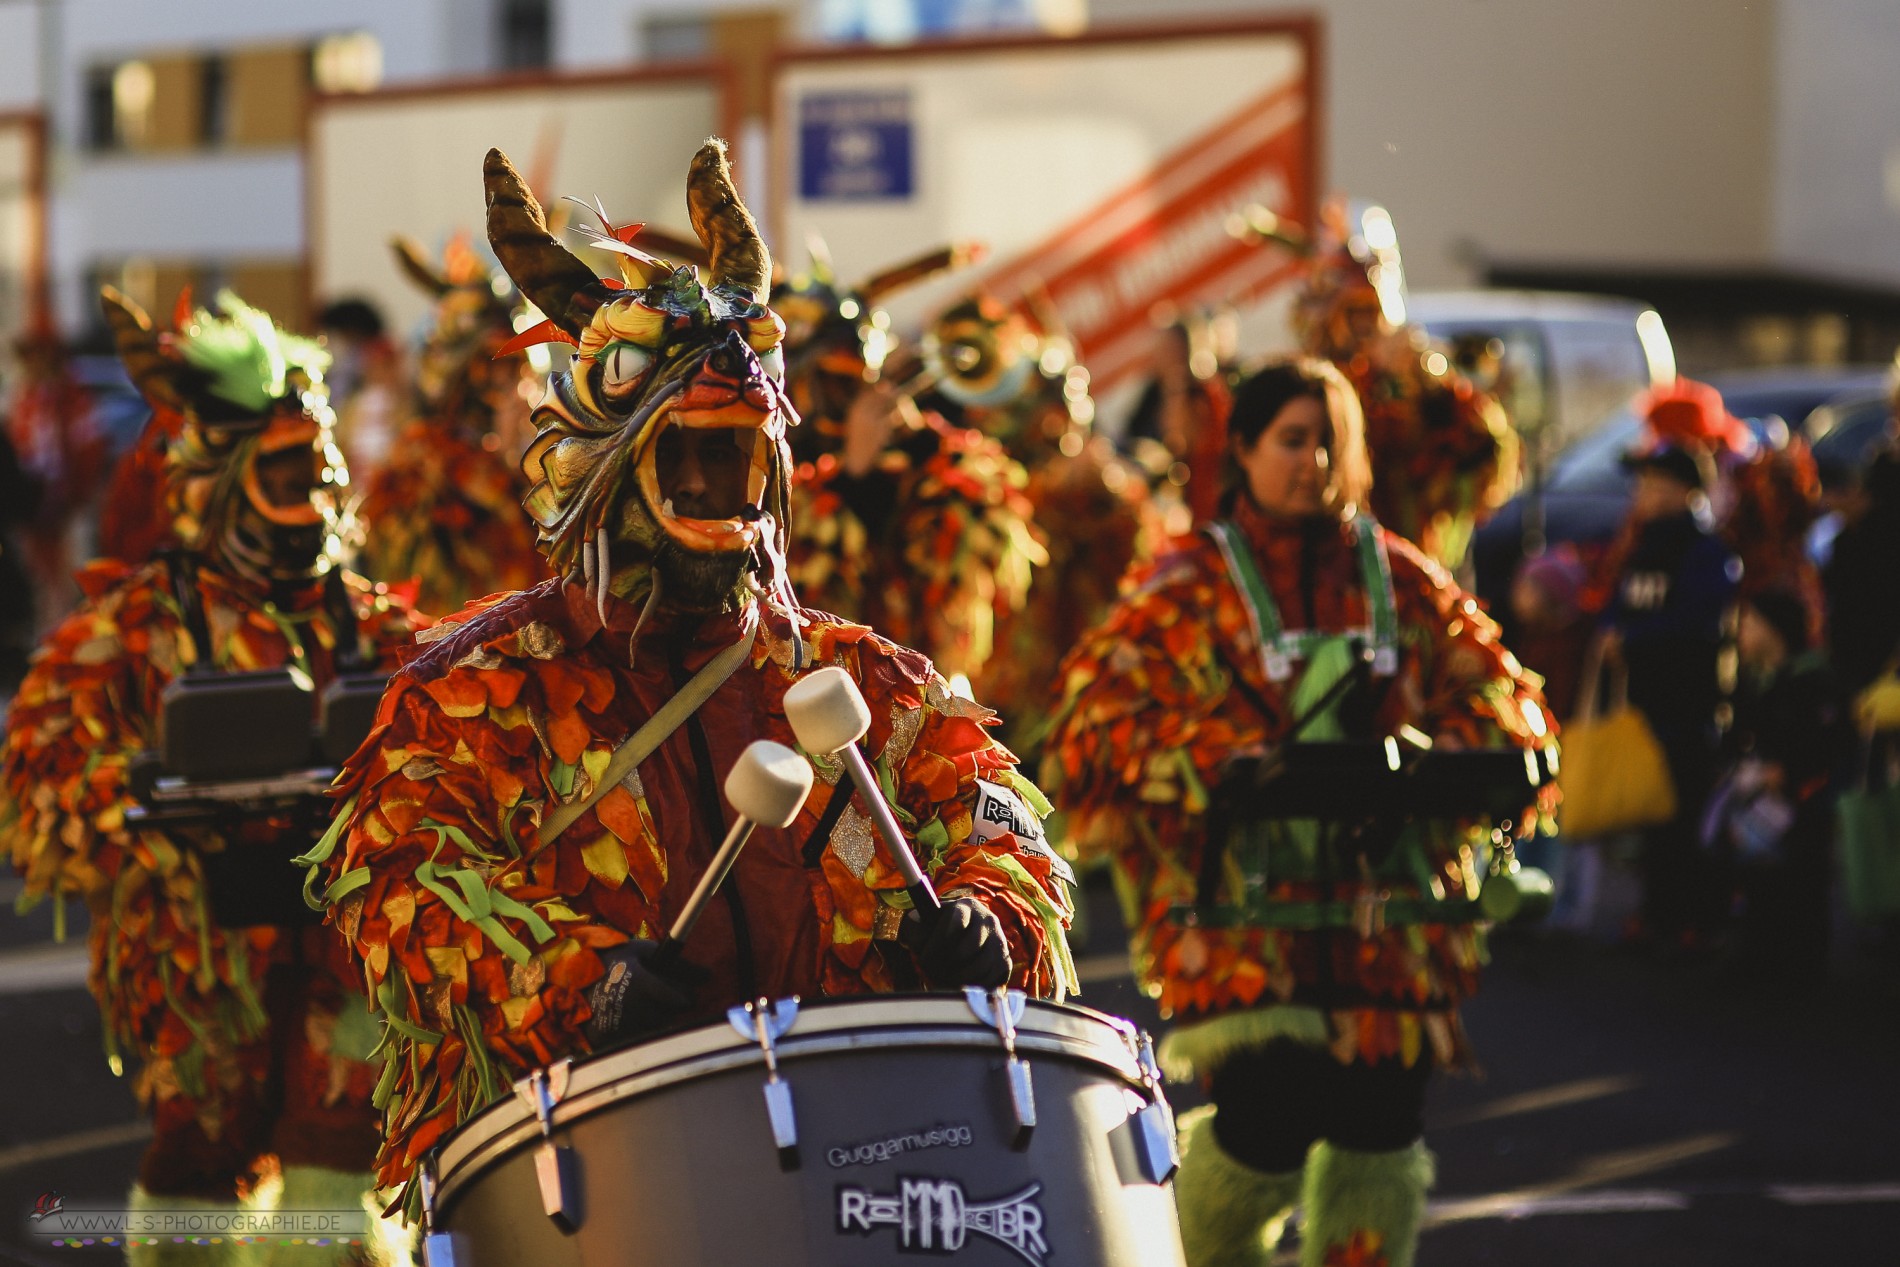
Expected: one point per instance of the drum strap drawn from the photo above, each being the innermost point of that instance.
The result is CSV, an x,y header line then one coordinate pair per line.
x,y
641,744
814,850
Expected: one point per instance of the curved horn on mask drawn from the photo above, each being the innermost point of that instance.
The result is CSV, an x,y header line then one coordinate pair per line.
x,y
150,369
737,252
550,275
417,268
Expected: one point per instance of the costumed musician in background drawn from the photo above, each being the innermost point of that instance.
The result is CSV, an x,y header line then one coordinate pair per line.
x,y
1313,989
1017,381
446,500
902,519
504,908
249,1037
1444,455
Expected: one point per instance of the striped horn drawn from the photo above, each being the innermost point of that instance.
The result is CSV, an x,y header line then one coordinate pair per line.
x,y
417,268
737,253
150,369
550,275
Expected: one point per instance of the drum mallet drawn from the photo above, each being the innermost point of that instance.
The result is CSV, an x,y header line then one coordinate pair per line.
x,y
768,786
829,716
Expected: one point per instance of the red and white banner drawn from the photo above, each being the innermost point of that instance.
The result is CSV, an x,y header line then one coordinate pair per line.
x,y
1164,239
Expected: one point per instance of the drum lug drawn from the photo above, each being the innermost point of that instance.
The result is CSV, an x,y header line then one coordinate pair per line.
x,y
1002,1011
1154,1132
555,1168
766,1022
439,1249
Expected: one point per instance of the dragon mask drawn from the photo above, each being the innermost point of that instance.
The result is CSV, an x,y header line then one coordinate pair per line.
x,y
459,377
660,455
254,480
837,337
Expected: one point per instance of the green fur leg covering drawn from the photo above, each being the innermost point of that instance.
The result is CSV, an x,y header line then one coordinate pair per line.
x,y
1231,1215
1364,1208
1195,1051
166,1252
314,1188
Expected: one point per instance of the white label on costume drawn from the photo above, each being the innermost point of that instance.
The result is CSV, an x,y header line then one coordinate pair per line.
x,y
999,810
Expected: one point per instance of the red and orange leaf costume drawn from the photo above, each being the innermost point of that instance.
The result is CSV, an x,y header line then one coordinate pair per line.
x,y
1444,454
446,502
1172,683
479,941
194,1001
935,544
1091,507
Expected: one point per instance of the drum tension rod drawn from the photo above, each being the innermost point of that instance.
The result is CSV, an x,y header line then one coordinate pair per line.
x,y
555,1167
1002,1009
1154,1132
439,1248
766,1022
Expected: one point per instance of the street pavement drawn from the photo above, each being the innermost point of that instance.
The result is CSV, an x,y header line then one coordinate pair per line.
x,y
1633,1110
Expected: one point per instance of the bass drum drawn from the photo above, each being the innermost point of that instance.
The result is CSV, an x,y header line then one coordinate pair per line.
x,y
848,1133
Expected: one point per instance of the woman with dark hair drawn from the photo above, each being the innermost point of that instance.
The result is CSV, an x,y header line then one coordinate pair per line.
x,y
1313,978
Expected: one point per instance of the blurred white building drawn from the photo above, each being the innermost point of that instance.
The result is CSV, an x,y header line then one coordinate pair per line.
x,y
1734,161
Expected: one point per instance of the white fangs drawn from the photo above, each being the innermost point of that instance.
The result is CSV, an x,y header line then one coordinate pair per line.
x,y
666,508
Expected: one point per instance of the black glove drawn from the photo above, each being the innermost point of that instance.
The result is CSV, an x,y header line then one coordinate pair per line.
x,y
638,995
963,945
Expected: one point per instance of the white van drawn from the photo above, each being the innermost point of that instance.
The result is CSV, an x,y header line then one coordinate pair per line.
x,y
1563,364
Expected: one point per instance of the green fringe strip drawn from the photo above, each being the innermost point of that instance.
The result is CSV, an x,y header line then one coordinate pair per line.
x,y
1195,1051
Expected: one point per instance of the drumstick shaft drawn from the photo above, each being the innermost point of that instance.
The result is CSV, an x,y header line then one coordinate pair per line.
x,y
922,895
709,883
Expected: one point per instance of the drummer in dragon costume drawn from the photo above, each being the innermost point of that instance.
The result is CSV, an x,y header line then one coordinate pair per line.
x,y
1444,456
446,502
249,1040
493,938
1018,382
903,520
1313,1033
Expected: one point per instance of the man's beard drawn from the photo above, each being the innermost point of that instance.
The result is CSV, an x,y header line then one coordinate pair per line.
x,y
699,581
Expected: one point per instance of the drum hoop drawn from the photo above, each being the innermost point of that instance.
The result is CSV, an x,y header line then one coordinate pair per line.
x,y
467,1154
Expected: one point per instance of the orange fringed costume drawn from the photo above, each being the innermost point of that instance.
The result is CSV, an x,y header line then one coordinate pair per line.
x,y
446,502
1090,506
480,943
934,545
201,1005
1172,684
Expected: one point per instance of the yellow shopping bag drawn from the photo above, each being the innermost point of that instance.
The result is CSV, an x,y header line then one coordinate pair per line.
x,y
1615,777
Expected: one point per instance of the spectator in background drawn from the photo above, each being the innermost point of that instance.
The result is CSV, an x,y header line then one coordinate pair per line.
x,y
1553,632
1771,820
1862,578
368,390
60,448
1775,497
1667,624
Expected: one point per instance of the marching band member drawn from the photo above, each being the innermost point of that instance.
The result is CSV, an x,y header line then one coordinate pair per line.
x,y
248,1039
1444,455
1312,994
500,887
1022,387
901,519
446,501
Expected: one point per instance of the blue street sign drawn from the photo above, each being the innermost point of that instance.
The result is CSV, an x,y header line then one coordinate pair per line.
x,y
855,146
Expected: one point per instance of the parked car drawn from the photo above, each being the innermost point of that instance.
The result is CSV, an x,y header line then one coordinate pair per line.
x,y
1562,364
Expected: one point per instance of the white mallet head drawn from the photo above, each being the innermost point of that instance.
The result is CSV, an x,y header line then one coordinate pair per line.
x,y
826,710
769,783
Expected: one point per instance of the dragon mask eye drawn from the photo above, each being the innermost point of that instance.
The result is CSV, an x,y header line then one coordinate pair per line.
x,y
623,367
